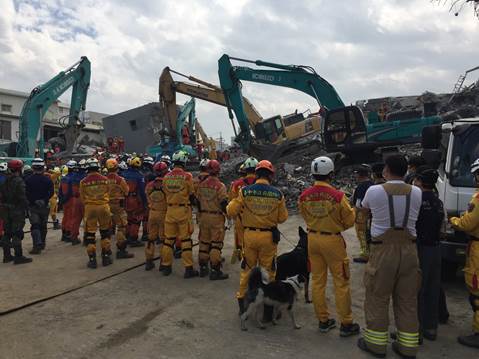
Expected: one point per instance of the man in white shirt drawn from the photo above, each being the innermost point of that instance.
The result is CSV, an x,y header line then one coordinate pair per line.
x,y
393,267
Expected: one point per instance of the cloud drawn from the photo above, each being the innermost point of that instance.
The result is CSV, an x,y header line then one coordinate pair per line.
x,y
364,48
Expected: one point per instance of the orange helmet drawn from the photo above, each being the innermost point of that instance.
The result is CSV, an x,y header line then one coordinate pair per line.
x,y
265,165
111,164
213,167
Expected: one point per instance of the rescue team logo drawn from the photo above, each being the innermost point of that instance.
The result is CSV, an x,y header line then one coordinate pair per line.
x,y
207,193
318,203
261,200
174,183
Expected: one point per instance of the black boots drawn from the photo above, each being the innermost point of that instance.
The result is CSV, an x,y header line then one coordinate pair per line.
x,y
75,241
19,257
349,330
92,262
166,270
56,224
149,265
241,306
123,254
144,237
133,242
66,237
190,273
106,259
217,274
35,250
469,340
7,254
204,270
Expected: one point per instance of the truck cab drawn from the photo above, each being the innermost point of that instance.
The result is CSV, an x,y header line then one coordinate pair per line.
x,y
451,147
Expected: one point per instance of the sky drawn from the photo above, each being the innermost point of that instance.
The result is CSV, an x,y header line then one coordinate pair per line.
x,y
364,48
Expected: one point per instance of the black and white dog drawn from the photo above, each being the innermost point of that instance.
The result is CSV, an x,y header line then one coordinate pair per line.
x,y
280,294
295,262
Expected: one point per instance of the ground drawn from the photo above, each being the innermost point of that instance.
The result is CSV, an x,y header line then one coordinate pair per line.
x,y
122,311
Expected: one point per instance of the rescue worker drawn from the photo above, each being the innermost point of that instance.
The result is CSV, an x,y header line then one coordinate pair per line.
x,y
117,192
363,180
135,202
327,213
196,182
94,195
262,208
393,267
249,177
13,206
428,228
157,206
72,205
147,171
27,171
39,190
55,175
212,202
377,172
469,223
412,164
179,192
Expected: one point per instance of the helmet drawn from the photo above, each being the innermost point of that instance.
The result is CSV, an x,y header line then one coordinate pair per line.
x,y
204,163
38,163
241,169
72,164
427,175
180,157
64,170
250,163
475,166
27,169
122,165
166,159
160,167
92,164
322,166
111,164
3,167
15,165
57,171
148,161
213,167
82,163
135,162
264,164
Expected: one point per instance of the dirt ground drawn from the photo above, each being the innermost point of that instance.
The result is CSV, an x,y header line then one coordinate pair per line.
x,y
129,313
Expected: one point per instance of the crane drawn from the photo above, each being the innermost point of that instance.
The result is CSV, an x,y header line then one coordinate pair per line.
x,y
42,97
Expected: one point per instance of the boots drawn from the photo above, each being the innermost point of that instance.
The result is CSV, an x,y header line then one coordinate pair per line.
x,y
123,254
166,270
469,340
75,241
149,265
7,254
92,262
36,250
349,330
241,306
144,237
66,237
190,273
56,224
217,274
133,242
204,270
106,259
37,241
19,257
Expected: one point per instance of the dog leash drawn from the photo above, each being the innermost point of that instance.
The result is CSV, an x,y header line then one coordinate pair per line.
x,y
287,240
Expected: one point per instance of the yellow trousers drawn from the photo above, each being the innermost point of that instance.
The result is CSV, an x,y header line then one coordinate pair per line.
x,y
329,252
471,275
156,228
53,206
181,230
361,227
259,249
212,229
119,219
97,216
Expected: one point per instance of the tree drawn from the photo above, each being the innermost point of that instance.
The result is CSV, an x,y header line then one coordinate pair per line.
x,y
457,6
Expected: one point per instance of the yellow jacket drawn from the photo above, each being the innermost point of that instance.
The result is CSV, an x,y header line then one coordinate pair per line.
x,y
94,189
211,193
156,196
469,221
197,180
260,205
118,188
178,187
325,208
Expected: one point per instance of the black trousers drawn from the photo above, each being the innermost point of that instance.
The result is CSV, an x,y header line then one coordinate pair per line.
x,y
429,294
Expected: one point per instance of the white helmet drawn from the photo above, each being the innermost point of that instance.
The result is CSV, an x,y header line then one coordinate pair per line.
x,y
82,163
204,162
123,166
250,163
180,157
475,166
148,161
322,166
72,164
92,163
3,167
38,163
165,158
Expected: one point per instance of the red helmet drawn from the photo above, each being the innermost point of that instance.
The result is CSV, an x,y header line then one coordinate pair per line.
x,y
265,165
213,167
160,167
15,165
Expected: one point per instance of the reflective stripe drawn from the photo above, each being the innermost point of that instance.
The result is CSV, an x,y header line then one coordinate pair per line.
x,y
377,338
410,340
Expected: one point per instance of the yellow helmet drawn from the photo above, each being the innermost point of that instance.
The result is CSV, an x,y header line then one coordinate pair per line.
x,y
64,170
135,162
111,164
57,171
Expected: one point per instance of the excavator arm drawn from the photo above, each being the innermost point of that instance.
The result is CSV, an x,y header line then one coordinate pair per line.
x,y
43,96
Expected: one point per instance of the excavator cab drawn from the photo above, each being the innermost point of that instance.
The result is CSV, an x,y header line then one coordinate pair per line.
x,y
270,129
342,128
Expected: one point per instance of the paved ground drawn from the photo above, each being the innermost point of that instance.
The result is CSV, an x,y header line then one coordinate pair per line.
x,y
138,314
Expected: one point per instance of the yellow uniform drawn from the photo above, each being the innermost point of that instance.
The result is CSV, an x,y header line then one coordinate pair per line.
x,y
469,223
118,190
94,191
262,207
156,216
55,177
178,188
327,213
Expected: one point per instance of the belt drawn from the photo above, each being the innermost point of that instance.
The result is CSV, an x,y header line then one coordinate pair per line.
x,y
178,204
258,229
381,242
324,233
132,194
212,212
475,239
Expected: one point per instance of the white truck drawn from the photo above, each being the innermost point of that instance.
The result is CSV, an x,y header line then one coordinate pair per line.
x,y
451,147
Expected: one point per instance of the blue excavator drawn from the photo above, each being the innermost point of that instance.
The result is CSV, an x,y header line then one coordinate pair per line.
x,y
41,98
343,128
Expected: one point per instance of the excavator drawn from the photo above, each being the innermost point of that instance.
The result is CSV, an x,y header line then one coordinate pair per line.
x,y
275,130
343,129
41,98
